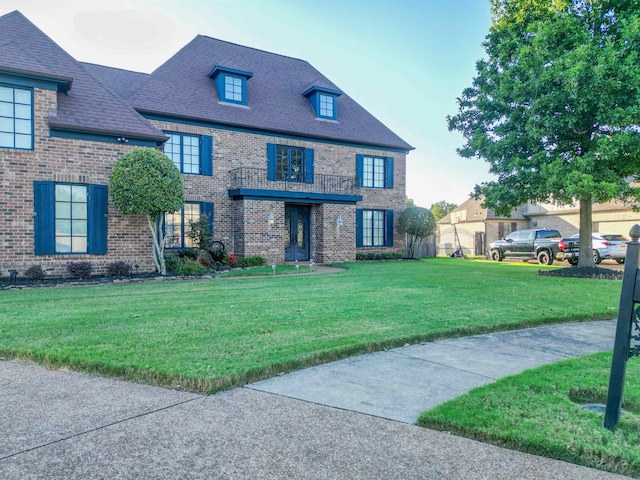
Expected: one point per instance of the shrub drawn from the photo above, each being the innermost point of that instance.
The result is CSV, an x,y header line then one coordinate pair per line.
x,y
119,269
217,255
81,270
374,256
35,272
230,260
256,261
191,253
204,259
200,232
172,262
188,266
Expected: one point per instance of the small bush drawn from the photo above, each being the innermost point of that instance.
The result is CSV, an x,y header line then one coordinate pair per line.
x,y
230,261
376,256
35,272
217,255
190,267
119,269
172,262
191,253
205,259
81,270
256,261
200,232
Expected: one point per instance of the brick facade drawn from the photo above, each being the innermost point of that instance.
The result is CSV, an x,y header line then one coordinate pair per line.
x,y
241,224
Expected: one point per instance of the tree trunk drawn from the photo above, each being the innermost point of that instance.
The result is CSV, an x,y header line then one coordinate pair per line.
x,y
158,246
585,255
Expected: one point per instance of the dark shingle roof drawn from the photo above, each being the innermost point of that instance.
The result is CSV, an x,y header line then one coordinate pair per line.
x,y
119,81
87,106
181,87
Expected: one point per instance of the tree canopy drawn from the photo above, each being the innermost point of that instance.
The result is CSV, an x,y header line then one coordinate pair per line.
x,y
441,209
555,106
146,182
417,223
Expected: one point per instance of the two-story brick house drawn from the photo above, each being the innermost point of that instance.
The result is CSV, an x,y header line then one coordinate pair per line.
x,y
282,163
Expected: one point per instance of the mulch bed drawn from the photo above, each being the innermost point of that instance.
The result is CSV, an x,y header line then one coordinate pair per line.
x,y
22,282
583,272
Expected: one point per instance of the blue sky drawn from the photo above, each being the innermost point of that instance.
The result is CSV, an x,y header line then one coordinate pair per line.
x,y
405,61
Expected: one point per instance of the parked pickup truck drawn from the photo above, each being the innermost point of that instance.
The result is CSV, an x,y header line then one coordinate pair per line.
x,y
606,246
527,245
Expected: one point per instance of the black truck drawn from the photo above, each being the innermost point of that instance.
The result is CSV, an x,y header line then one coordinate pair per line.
x,y
540,244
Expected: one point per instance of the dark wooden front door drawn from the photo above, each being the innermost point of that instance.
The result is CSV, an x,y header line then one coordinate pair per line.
x,y
297,223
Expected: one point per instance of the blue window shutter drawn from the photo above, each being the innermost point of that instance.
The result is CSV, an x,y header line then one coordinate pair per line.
x,y
44,221
206,208
308,165
98,220
206,155
359,169
388,230
359,225
388,177
271,161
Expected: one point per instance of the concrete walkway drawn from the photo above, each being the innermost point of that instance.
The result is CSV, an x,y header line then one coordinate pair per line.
x,y
57,424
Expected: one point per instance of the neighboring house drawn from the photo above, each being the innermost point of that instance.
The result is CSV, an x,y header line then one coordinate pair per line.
x,y
283,163
472,228
477,227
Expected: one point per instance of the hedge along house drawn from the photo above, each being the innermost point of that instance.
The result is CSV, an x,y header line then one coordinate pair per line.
x,y
282,162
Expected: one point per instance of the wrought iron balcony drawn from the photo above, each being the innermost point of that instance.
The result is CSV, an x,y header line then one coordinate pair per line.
x,y
254,182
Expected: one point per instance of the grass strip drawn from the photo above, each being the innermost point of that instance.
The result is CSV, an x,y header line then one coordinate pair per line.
x,y
540,412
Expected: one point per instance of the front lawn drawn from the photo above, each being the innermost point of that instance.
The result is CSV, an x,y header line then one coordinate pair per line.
x,y
540,412
208,335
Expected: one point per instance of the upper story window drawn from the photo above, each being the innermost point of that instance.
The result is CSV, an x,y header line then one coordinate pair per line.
x,y
232,88
231,84
16,118
374,172
324,102
327,105
190,153
289,164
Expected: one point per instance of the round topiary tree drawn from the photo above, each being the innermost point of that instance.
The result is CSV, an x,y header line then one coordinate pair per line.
x,y
146,182
417,223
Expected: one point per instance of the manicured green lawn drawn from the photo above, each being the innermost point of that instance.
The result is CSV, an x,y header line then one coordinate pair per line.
x,y
539,411
212,334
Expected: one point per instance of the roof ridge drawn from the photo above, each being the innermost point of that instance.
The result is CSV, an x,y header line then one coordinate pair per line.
x,y
112,68
251,48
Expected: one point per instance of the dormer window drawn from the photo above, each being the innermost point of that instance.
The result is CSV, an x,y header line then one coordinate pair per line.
x,y
231,84
324,102
233,89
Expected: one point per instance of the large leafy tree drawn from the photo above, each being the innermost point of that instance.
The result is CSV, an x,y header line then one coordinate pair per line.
x,y
146,182
555,106
417,223
441,209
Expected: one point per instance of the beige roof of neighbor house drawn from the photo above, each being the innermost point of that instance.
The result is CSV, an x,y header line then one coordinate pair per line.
x,y
473,211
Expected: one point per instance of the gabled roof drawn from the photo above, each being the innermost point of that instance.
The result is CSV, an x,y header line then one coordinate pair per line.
x,y
473,211
87,106
118,81
275,102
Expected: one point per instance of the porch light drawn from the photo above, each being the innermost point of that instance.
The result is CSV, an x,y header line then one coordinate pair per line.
x,y
270,220
339,223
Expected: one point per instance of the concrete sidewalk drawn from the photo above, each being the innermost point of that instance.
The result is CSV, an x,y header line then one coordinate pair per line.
x,y
57,424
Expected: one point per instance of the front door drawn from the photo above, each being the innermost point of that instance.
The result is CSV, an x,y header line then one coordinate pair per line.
x,y
297,223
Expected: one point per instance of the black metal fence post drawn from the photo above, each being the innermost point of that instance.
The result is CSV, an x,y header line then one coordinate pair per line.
x,y
623,330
